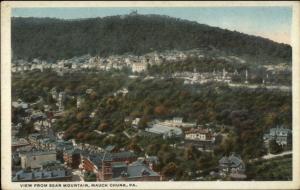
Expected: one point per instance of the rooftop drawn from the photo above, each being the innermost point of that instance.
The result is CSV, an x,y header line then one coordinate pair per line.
x,y
41,175
160,128
133,170
36,153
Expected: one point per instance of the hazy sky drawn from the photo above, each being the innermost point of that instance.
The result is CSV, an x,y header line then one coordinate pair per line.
x,y
270,22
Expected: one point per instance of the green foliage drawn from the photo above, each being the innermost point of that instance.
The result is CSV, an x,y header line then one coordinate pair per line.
x,y
59,39
170,170
248,113
89,176
275,148
279,169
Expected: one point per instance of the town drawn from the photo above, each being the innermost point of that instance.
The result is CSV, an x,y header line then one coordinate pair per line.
x,y
138,146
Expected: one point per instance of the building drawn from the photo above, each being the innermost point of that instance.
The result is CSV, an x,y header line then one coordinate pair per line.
x,y
79,102
19,104
178,122
232,166
54,93
199,134
136,171
282,135
49,171
139,67
72,158
101,163
34,139
61,101
136,122
34,159
17,143
164,129
46,144
203,138
122,91
123,156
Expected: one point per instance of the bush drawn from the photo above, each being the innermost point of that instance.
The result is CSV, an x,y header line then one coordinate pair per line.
x,y
275,148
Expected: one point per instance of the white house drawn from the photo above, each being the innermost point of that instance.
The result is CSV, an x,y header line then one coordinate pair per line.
x,y
199,134
138,67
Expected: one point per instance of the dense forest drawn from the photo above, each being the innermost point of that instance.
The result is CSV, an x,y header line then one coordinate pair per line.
x,y
53,39
250,112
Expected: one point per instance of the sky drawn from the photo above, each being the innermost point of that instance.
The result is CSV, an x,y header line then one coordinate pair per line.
x,y
269,22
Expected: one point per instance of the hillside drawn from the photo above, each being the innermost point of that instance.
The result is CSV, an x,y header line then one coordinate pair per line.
x,y
54,39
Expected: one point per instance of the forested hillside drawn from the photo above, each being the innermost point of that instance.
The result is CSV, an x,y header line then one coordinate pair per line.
x,y
53,39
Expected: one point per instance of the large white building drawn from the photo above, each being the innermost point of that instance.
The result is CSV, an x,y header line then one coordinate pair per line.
x,y
164,129
178,122
138,67
199,134
282,135
35,159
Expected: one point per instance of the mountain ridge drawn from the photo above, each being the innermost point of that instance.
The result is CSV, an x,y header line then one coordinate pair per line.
x,y
52,38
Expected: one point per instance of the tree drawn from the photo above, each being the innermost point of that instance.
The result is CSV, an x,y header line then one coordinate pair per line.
x,y
275,148
80,135
143,122
191,153
103,127
160,110
81,115
89,176
169,170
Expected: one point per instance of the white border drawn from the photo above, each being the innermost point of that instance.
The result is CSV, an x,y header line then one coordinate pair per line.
x,y
6,93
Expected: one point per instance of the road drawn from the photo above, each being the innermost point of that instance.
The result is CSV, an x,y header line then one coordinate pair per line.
x,y
270,156
271,87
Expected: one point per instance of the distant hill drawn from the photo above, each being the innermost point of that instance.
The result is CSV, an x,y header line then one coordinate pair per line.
x,y
53,39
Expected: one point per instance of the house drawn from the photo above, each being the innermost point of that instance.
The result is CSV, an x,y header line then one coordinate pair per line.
x,y
61,101
49,171
136,122
138,67
178,122
200,137
19,104
282,135
199,134
37,116
122,91
34,159
152,162
79,102
46,144
89,91
34,139
232,166
17,143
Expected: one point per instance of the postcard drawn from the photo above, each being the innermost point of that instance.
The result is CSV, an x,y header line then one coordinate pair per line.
x,y
150,95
